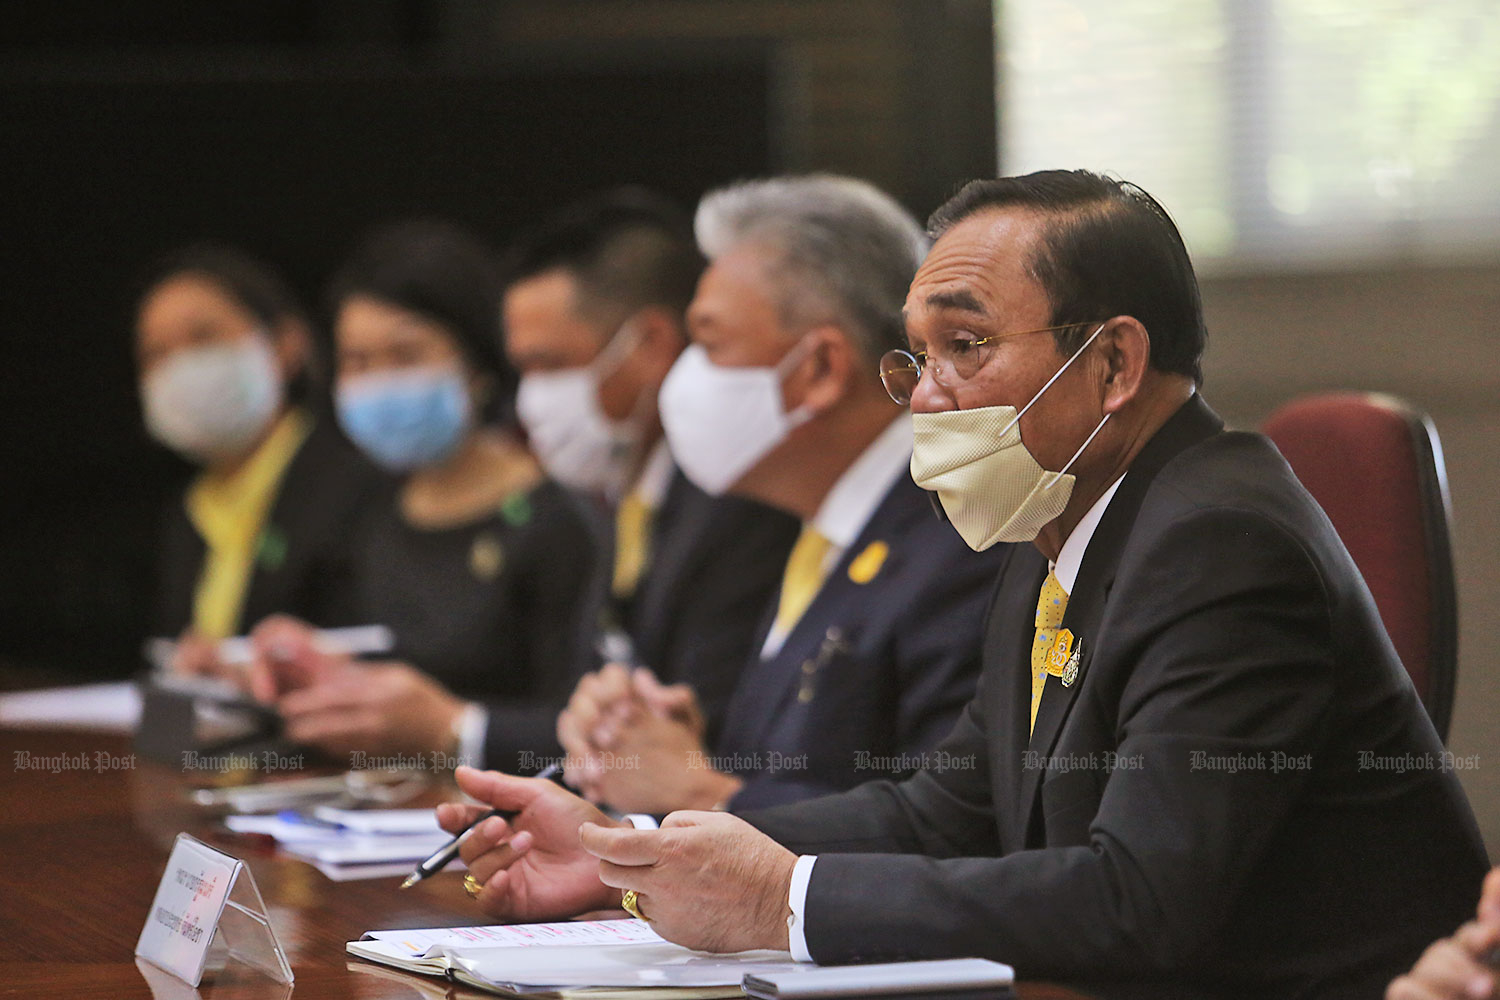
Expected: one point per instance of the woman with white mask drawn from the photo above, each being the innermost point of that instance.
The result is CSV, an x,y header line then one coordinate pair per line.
x,y
225,359
479,564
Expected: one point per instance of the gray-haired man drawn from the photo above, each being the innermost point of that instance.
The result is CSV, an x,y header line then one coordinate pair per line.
x,y
871,647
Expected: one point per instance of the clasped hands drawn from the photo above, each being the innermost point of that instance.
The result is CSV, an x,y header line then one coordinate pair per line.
x,y
637,745
329,700
706,880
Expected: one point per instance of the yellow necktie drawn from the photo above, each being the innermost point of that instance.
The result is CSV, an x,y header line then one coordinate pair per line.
x,y
802,578
632,543
1049,615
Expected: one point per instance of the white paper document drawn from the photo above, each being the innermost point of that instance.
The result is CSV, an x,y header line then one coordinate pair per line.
x,y
358,873
113,708
350,844
561,958
418,942
381,821
630,965
367,850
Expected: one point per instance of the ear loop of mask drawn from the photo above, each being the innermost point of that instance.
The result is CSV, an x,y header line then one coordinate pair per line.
x,y
1057,375
609,359
626,339
784,367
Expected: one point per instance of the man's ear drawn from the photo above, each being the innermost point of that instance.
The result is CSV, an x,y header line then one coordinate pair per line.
x,y
828,370
662,339
1125,346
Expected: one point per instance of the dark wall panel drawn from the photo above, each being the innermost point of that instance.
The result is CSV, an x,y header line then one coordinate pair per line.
x,y
107,166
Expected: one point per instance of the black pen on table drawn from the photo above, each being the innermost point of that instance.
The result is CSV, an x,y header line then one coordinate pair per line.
x,y
440,858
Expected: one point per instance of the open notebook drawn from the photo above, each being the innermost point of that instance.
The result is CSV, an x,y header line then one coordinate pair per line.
x,y
593,959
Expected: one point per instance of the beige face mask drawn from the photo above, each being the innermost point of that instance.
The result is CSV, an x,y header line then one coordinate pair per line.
x,y
991,487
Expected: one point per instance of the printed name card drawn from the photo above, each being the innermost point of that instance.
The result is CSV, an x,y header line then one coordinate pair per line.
x,y
208,897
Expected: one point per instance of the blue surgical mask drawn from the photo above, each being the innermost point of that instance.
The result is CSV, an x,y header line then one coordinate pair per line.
x,y
406,419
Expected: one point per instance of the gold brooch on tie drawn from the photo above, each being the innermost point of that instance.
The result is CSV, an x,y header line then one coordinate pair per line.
x,y
1063,657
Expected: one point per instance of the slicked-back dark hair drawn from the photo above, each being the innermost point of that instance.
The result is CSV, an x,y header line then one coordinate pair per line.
x,y
627,249
442,272
1109,249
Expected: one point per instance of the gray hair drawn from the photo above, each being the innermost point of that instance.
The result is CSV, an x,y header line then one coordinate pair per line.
x,y
845,251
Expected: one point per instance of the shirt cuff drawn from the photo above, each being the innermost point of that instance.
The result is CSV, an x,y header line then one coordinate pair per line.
x,y
472,728
796,924
642,821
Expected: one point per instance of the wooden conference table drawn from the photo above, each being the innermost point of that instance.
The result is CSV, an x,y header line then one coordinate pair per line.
x,y
82,852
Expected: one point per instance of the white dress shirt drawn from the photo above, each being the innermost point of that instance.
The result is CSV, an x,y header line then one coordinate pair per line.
x,y
1069,559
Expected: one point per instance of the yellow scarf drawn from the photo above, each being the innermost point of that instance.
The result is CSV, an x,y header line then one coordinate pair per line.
x,y
229,513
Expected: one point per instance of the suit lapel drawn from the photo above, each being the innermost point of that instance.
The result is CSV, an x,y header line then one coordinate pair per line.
x,y
1192,423
676,537
1008,662
829,623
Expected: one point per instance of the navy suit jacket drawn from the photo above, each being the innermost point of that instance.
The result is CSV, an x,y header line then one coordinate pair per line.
x,y
1239,795
713,565
875,672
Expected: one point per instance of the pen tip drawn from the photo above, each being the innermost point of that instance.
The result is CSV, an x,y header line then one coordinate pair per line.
x,y
411,880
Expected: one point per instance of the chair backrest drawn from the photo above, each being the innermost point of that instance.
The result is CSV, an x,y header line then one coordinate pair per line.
x,y
1375,465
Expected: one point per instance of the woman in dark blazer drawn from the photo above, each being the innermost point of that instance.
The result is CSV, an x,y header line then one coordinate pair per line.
x,y
225,358
479,564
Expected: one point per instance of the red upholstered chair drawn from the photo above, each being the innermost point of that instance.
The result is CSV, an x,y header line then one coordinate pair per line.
x,y
1375,465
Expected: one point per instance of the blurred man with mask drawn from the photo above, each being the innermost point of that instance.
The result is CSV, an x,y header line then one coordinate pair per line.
x,y
593,318
1194,767
871,647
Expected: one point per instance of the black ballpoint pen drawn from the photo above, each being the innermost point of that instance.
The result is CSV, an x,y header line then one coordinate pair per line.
x,y
440,858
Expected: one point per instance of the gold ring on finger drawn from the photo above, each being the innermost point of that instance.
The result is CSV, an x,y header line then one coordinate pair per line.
x,y
472,886
632,905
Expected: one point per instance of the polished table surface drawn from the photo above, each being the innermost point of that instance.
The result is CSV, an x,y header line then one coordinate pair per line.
x,y
83,850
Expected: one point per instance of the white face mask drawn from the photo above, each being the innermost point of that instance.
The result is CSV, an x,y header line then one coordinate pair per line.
x,y
211,402
721,421
991,487
575,441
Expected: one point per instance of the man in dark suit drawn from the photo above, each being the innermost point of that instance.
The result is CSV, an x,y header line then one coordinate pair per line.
x,y
870,650
593,314
1202,773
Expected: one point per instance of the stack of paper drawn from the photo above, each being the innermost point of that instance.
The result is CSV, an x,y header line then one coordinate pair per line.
x,y
596,959
347,844
114,708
